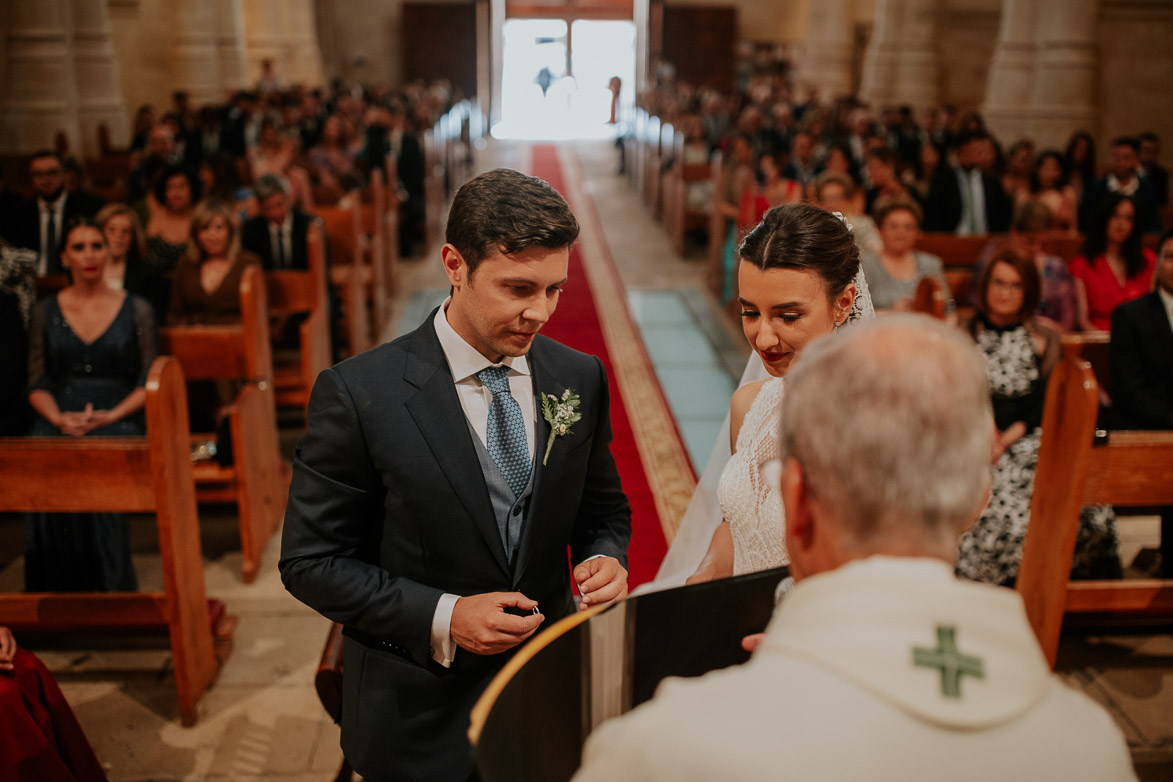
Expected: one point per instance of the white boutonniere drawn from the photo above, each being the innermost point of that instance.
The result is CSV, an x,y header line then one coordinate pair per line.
x,y
560,414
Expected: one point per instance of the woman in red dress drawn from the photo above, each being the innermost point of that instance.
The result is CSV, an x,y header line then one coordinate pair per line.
x,y
1114,267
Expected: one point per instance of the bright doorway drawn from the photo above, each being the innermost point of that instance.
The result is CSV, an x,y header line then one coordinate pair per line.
x,y
547,95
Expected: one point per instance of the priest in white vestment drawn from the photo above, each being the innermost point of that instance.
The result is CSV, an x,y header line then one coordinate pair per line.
x,y
879,664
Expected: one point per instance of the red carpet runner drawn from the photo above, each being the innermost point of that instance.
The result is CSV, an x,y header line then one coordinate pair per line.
x,y
577,324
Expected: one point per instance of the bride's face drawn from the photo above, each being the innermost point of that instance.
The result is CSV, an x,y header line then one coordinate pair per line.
x,y
783,309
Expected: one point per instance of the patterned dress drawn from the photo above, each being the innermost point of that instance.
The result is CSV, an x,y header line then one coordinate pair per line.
x,y
991,550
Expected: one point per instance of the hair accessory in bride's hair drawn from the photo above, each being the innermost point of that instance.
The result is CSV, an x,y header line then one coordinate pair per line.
x,y
842,219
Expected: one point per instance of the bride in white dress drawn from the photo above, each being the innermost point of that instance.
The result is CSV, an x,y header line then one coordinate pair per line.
x,y
799,278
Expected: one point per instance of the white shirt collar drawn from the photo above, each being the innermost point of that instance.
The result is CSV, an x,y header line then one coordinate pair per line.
x,y
1115,186
286,225
463,359
1167,300
56,205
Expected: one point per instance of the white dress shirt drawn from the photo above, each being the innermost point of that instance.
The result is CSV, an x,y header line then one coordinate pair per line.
x,y
1167,300
973,202
465,361
58,209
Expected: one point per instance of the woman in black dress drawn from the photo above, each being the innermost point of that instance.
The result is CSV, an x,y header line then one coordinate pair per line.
x,y
90,348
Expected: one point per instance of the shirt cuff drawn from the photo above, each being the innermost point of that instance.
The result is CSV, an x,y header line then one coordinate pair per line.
x,y
443,647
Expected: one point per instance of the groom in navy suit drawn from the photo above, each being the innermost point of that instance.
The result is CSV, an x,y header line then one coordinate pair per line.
x,y
432,501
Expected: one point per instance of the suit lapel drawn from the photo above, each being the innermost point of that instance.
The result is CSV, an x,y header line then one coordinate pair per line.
x,y
546,476
437,412
1160,325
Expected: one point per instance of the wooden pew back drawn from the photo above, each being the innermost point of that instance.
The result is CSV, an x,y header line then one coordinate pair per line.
x,y
137,474
304,292
343,228
1128,469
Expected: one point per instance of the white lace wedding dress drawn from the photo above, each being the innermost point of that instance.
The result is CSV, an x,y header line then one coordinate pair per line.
x,y
750,502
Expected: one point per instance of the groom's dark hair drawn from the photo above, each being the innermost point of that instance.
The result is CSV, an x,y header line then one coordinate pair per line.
x,y
507,211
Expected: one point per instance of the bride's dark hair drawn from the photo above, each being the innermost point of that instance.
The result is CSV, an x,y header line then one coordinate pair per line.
x,y
803,236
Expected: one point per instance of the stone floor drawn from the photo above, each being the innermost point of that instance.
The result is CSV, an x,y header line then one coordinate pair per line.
x,y
262,719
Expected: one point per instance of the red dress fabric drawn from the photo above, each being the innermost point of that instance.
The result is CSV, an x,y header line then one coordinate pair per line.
x,y
1104,292
40,739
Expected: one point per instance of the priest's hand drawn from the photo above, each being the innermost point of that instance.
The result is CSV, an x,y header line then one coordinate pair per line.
x,y
601,581
481,625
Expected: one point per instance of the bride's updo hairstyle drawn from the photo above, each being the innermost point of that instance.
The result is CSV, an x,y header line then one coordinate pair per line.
x,y
803,236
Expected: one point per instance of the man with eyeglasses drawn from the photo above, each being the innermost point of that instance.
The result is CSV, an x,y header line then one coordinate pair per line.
x,y
51,208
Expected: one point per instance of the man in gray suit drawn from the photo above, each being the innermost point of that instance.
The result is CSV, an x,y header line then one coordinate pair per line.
x,y
441,480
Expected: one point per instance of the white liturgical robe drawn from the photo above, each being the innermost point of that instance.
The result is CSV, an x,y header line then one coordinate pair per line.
x,y
884,669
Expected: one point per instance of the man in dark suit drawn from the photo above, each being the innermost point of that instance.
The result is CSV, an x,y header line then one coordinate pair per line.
x,y
1154,172
432,505
1123,177
43,219
278,233
965,200
1141,359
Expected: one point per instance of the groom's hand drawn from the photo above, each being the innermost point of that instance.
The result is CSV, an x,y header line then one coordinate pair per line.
x,y
481,625
601,581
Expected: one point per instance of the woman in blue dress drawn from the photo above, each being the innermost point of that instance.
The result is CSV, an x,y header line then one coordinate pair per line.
x,y
90,347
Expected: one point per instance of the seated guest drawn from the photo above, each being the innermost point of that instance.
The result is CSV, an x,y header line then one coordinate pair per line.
x,y
174,196
1142,352
1016,179
837,193
881,169
331,159
895,271
919,177
41,225
801,167
206,288
1114,267
1151,168
1048,184
1079,160
274,154
160,152
278,234
852,678
1020,353
1123,178
90,348
127,268
40,738
965,200
1057,308
13,367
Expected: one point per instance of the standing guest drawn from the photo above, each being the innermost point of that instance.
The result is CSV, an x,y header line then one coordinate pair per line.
x,y
1048,185
1114,267
41,225
879,665
171,204
40,738
1142,352
1151,168
1020,353
128,268
965,200
1124,178
206,288
430,504
278,234
90,348
1141,358
898,268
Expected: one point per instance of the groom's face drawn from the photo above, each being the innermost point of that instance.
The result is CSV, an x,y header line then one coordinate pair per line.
x,y
506,302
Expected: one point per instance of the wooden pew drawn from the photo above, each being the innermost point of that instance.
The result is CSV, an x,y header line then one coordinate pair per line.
x,y
650,160
1092,348
679,216
1077,469
303,293
374,246
255,481
959,256
151,474
929,298
663,155
343,227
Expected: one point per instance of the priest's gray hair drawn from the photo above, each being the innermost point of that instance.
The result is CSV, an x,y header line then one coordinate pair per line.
x,y
891,422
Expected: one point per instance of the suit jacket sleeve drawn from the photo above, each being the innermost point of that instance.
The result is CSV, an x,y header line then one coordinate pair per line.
x,y
333,526
603,525
1132,392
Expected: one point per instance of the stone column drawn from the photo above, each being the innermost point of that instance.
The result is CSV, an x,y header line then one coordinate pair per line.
x,y
917,71
305,58
99,86
195,56
1010,83
266,27
230,45
41,94
1064,93
826,63
879,66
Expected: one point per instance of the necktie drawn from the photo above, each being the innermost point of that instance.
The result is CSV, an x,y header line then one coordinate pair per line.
x,y
49,250
506,431
281,263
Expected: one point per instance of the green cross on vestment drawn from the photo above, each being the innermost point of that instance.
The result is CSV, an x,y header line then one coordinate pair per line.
x,y
952,664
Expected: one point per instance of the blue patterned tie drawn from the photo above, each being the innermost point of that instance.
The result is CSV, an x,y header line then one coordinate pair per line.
x,y
506,431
